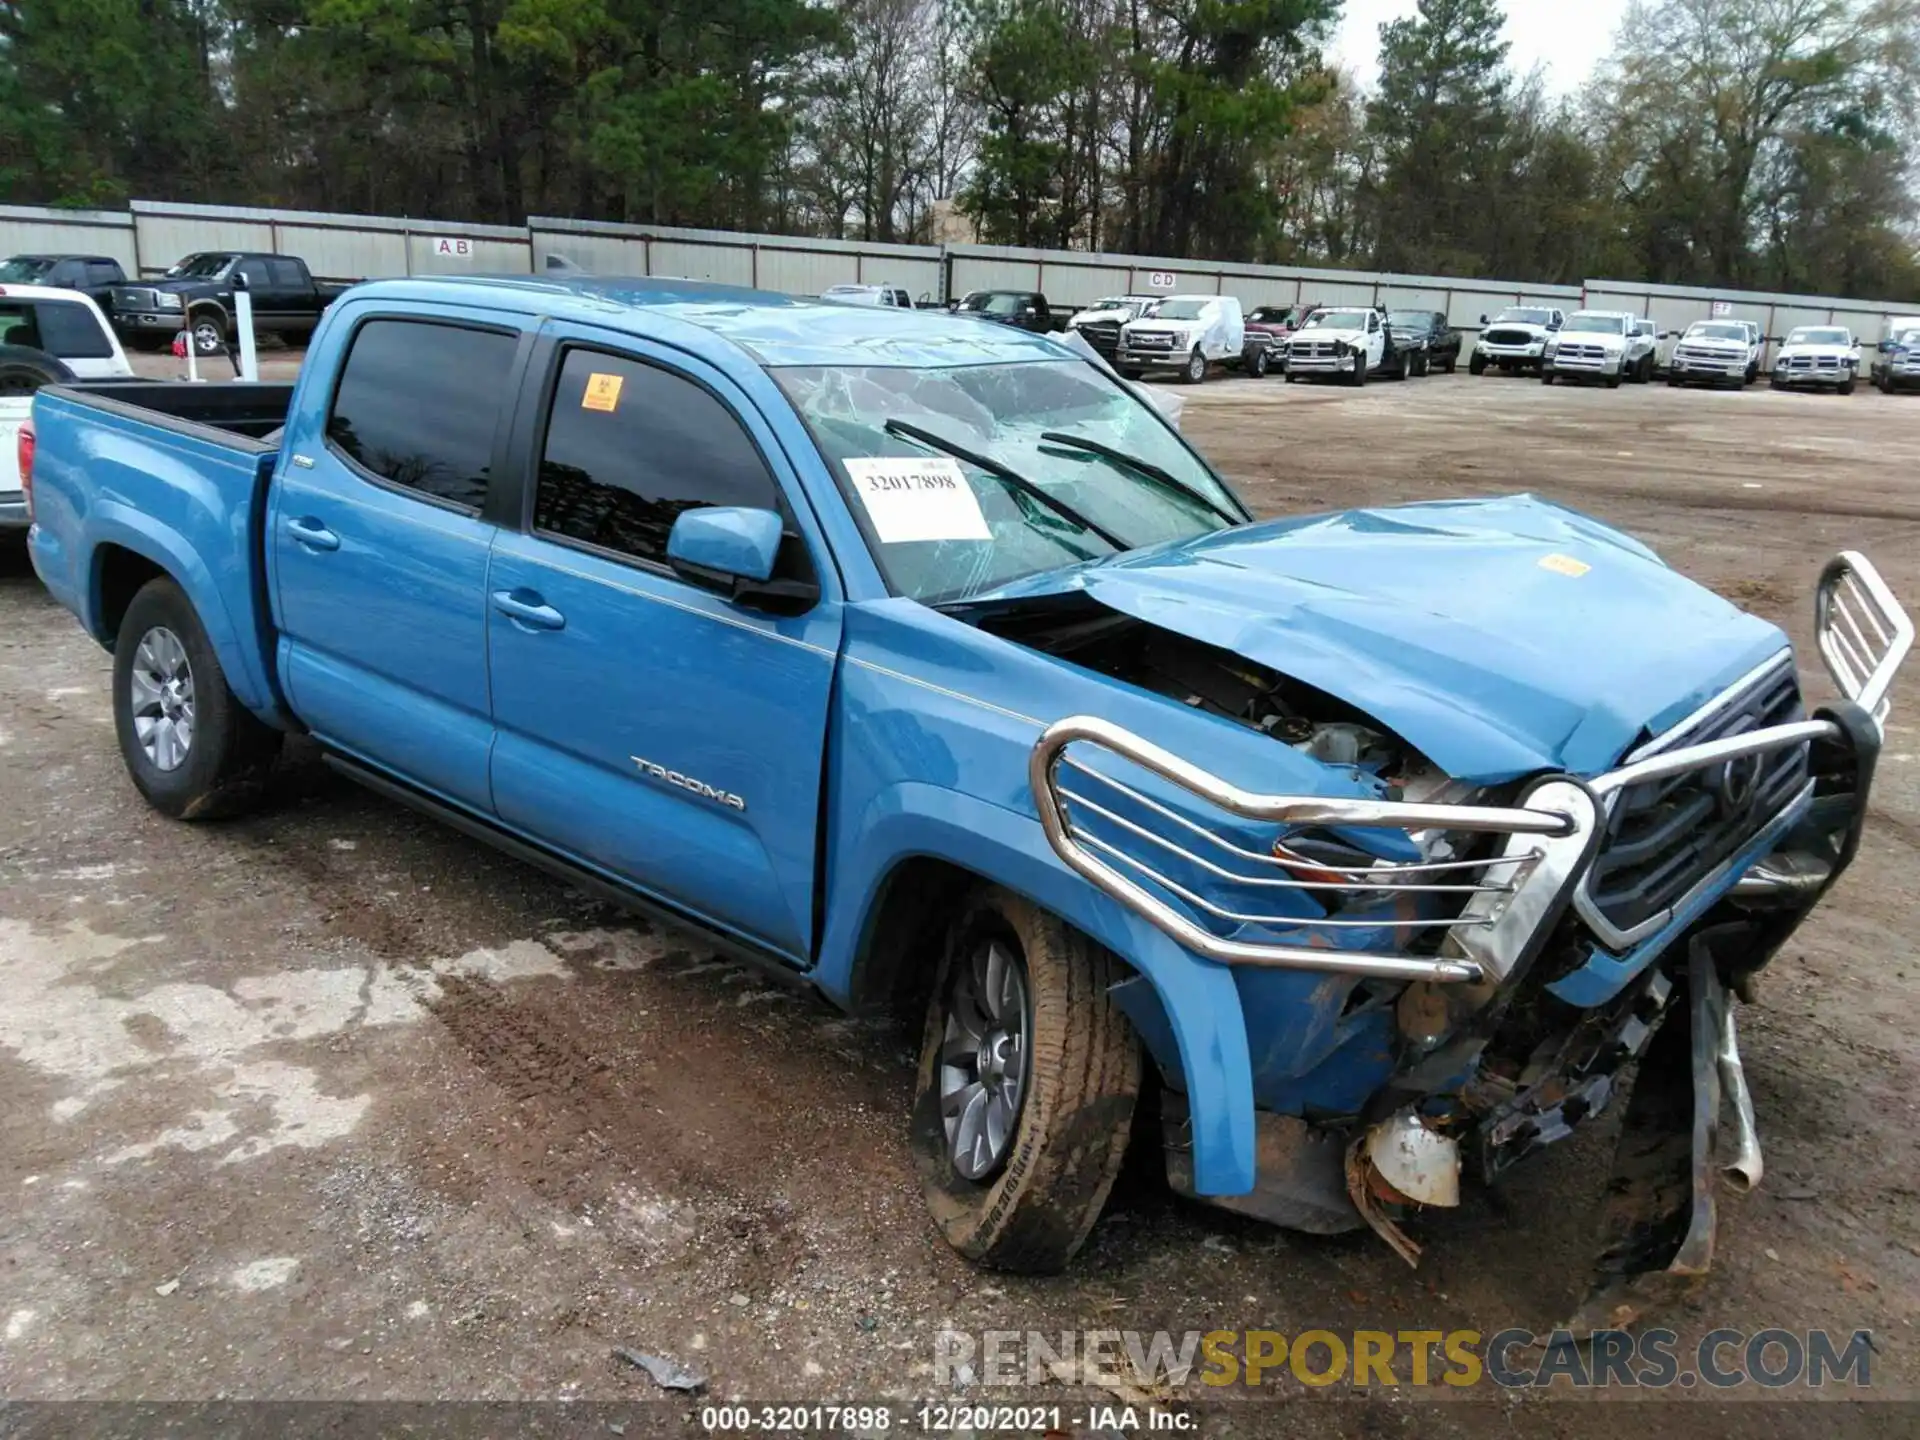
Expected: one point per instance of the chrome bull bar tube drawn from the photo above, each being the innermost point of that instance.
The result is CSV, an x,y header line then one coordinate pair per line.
x,y
1863,632
1090,858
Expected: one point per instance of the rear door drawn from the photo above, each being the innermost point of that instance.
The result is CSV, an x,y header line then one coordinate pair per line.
x,y
646,725
380,533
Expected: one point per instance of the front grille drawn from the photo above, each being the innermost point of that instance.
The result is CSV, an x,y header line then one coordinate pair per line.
x,y
1497,336
1149,340
1708,357
1802,364
133,297
1663,837
1313,349
1103,336
1595,354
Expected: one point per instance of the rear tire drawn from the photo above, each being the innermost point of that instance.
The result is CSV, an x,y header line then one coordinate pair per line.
x,y
24,370
1035,1195
192,750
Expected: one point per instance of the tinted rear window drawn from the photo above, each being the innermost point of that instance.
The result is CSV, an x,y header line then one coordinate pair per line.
x,y
417,405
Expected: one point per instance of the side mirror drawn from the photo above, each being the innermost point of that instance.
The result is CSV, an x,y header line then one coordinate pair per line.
x,y
733,550
1483,319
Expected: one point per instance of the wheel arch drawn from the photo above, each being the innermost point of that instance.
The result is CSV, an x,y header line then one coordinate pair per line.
x,y
916,834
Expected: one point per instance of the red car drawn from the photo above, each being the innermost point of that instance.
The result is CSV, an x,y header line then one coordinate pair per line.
x,y
1277,322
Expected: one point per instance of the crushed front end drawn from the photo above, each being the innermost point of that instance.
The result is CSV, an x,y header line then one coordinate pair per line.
x,y
1445,983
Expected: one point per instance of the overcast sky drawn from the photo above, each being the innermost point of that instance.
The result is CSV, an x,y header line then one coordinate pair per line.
x,y
1566,37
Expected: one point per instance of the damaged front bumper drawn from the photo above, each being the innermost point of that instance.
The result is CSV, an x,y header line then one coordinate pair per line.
x,y
1523,949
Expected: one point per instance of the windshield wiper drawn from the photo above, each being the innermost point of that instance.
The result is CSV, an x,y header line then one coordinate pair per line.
x,y
1147,468
1006,475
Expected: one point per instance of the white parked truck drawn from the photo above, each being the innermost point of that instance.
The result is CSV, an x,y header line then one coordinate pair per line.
x,y
1346,343
1515,339
1820,357
47,335
1188,334
1605,345
1717,352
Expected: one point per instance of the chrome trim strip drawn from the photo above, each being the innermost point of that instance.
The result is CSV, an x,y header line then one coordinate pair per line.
x,y
943,690
1725,700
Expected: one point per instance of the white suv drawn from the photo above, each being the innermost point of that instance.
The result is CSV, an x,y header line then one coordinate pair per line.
x,y
47,335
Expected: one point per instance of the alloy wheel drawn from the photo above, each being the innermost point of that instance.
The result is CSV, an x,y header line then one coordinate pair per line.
x,y
984,1058
161,683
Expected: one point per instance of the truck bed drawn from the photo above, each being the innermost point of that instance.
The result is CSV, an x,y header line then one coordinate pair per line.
x,y
173,475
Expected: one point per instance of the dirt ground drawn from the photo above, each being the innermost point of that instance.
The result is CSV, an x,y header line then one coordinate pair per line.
x,y
334,1103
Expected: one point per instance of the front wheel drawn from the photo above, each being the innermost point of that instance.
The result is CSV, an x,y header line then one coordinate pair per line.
x,y
1613,381
1028,1078
1846,386
1546,376
1452,364
1257,366
1195,370
191,749
209,336
1477,365
1131,374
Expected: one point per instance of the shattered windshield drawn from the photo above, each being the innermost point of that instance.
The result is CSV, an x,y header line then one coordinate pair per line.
x,y
200,267
993,302
24,269
1337,320
943,528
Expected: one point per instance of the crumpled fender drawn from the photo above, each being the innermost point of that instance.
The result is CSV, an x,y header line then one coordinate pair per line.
x,y
1202,1005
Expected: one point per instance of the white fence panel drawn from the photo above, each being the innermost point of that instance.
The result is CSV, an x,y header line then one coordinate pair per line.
x,y
36,229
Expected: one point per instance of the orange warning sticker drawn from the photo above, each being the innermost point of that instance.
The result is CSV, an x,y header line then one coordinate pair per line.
x,y
1564,565
603,392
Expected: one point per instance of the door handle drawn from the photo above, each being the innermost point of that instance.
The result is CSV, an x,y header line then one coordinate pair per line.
x,y
311,533
528,610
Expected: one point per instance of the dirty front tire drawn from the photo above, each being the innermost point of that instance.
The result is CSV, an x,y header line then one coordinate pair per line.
x,y
1477,366
1035,1205
161,655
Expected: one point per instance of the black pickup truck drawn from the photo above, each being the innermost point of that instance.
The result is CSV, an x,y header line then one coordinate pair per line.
x,y
1022,309
1434,343
197,295
92,275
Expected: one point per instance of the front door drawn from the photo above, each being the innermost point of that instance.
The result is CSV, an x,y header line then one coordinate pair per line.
x,y
380,547
646,725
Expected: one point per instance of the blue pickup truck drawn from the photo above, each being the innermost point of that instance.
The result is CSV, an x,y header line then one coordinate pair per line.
x,y
1360,854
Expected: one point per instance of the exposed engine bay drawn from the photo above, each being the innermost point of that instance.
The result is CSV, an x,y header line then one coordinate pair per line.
x,y
1083,632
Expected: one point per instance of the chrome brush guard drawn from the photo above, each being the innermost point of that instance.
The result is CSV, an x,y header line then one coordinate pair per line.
x,y
1510,897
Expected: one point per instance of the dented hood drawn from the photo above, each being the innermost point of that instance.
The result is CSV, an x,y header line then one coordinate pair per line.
x,y
1499,637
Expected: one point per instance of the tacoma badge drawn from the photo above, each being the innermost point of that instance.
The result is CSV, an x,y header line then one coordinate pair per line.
x,y
687,782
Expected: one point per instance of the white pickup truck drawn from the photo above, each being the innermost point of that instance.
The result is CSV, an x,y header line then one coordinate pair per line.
x,y
47,335
1606,345
1820,357
1188,334
1515,339
1717,352
1348,343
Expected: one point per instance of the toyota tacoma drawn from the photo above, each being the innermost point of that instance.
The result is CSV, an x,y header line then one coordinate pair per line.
x,y
1373,850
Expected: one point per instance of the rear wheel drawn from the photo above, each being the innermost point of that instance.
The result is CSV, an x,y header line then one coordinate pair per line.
x,y
1028,1078
192,750
24,370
